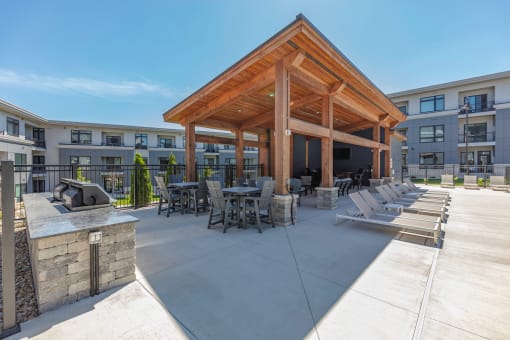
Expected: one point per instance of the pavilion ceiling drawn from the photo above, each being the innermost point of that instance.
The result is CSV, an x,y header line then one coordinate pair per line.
x,y
242,97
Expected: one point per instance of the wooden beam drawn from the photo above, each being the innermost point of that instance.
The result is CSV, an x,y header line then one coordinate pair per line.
x,y
239,153
357,126
337,88
208,139
282,140
309,80
291,156
398,135
218,124
298,103
344,137
361,110
259,81
327,142
308,129
189,152
258,120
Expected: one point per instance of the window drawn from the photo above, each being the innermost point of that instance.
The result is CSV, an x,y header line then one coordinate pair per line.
x,y
403,109
484,157
81,137
476,103
165,142
20,159
113,184
163,163
20,189
431,134
476,132
38,163
230,161
81,160
12,127
210,160
431,104
342,154
38,185
38,134
113,140
140,141
432,158
112,163
470,158
249,161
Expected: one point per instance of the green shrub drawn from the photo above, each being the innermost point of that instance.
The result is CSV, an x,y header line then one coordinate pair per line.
x,y
141,187
170,169
482,182
80,177
208,172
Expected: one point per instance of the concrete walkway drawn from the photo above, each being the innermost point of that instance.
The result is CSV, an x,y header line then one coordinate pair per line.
x,y
314,279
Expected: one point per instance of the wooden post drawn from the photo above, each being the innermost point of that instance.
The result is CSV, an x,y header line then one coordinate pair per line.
x,y
189,131
239,153
327,142
271,150
387,153
376,155
282,139
264,152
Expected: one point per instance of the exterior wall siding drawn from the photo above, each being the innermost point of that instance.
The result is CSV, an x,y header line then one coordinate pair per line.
x,y
502,151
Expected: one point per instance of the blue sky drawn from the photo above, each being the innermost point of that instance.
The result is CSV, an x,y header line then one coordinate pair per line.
x,y
126,62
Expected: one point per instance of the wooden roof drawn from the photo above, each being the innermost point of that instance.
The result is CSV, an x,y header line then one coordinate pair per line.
x,y
242,97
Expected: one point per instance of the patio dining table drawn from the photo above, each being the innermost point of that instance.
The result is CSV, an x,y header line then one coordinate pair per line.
x,y
239,192
183,188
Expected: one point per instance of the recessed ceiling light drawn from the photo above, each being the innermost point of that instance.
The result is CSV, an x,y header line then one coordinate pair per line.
x,y
239,110
271,94
318,112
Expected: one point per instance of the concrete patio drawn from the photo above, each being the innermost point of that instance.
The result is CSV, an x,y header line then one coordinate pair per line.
x,y
361,281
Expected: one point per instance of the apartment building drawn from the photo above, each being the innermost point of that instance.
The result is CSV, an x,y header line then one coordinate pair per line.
x,y
442,118
28,139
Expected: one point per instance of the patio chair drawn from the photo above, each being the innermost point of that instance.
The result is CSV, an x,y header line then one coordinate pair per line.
x,y
165,196
241,181
306,182
294,187
369,216
199,197
252,183
262,180
385,209
223,206
175,179
498,183
471,182
412,206
254,206
343,186
414,188
447,181
413,196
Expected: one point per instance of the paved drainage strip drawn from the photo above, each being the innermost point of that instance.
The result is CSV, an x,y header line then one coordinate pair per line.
x,y
426,297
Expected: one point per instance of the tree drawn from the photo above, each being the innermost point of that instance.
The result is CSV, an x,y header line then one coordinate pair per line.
x,y
141,187
170,169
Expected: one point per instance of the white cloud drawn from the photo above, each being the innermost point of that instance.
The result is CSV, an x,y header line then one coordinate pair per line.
x,y
88,86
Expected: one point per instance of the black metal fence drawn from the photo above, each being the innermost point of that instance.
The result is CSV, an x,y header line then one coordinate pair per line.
x,y
434,172
117,179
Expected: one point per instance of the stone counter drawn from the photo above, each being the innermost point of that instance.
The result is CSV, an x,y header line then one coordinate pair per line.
x,y
60,252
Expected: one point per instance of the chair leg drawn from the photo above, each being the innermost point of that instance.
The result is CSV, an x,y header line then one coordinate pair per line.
x,y
257,216
270,213
210,218
168,209
159,206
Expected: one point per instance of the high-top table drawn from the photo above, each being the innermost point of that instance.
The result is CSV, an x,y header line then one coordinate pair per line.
x,y
183,188
239,192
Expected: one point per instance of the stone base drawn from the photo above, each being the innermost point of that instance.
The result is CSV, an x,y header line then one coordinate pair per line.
x,y
281,208
327,197
375,183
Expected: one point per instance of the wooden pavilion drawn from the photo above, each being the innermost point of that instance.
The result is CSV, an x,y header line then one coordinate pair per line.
x,y
295,82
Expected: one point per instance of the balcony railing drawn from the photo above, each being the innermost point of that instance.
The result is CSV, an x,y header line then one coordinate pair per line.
x,y
404,143
478,138
115,144
212,149
477,108
166,145
40,143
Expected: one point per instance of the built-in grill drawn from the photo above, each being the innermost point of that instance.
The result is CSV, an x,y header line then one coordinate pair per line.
x,y
78,195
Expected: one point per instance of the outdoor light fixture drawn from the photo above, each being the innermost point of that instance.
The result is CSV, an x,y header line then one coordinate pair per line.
x,y
271,94
288,132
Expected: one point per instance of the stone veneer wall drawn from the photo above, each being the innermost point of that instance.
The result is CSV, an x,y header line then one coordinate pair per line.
x,y
281,208
327,197
61,264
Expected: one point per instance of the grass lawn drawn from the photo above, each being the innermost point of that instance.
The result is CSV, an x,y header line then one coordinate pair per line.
x,y
436,181
125,201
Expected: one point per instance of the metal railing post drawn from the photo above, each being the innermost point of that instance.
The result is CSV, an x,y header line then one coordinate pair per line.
x,y
426,175
8,251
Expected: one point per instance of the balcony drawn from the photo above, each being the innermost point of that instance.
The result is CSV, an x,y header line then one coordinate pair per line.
x,y
477,108
116,144
165,145
38,143
479,138
212,149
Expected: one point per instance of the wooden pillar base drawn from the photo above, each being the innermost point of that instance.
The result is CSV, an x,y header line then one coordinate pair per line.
x,y
284,207
327,197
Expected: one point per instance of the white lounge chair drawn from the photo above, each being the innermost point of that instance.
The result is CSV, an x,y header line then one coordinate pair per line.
x,y
471,182
414,196
383,209
420,207
498,183
447,181
406,192
414,188
369,216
